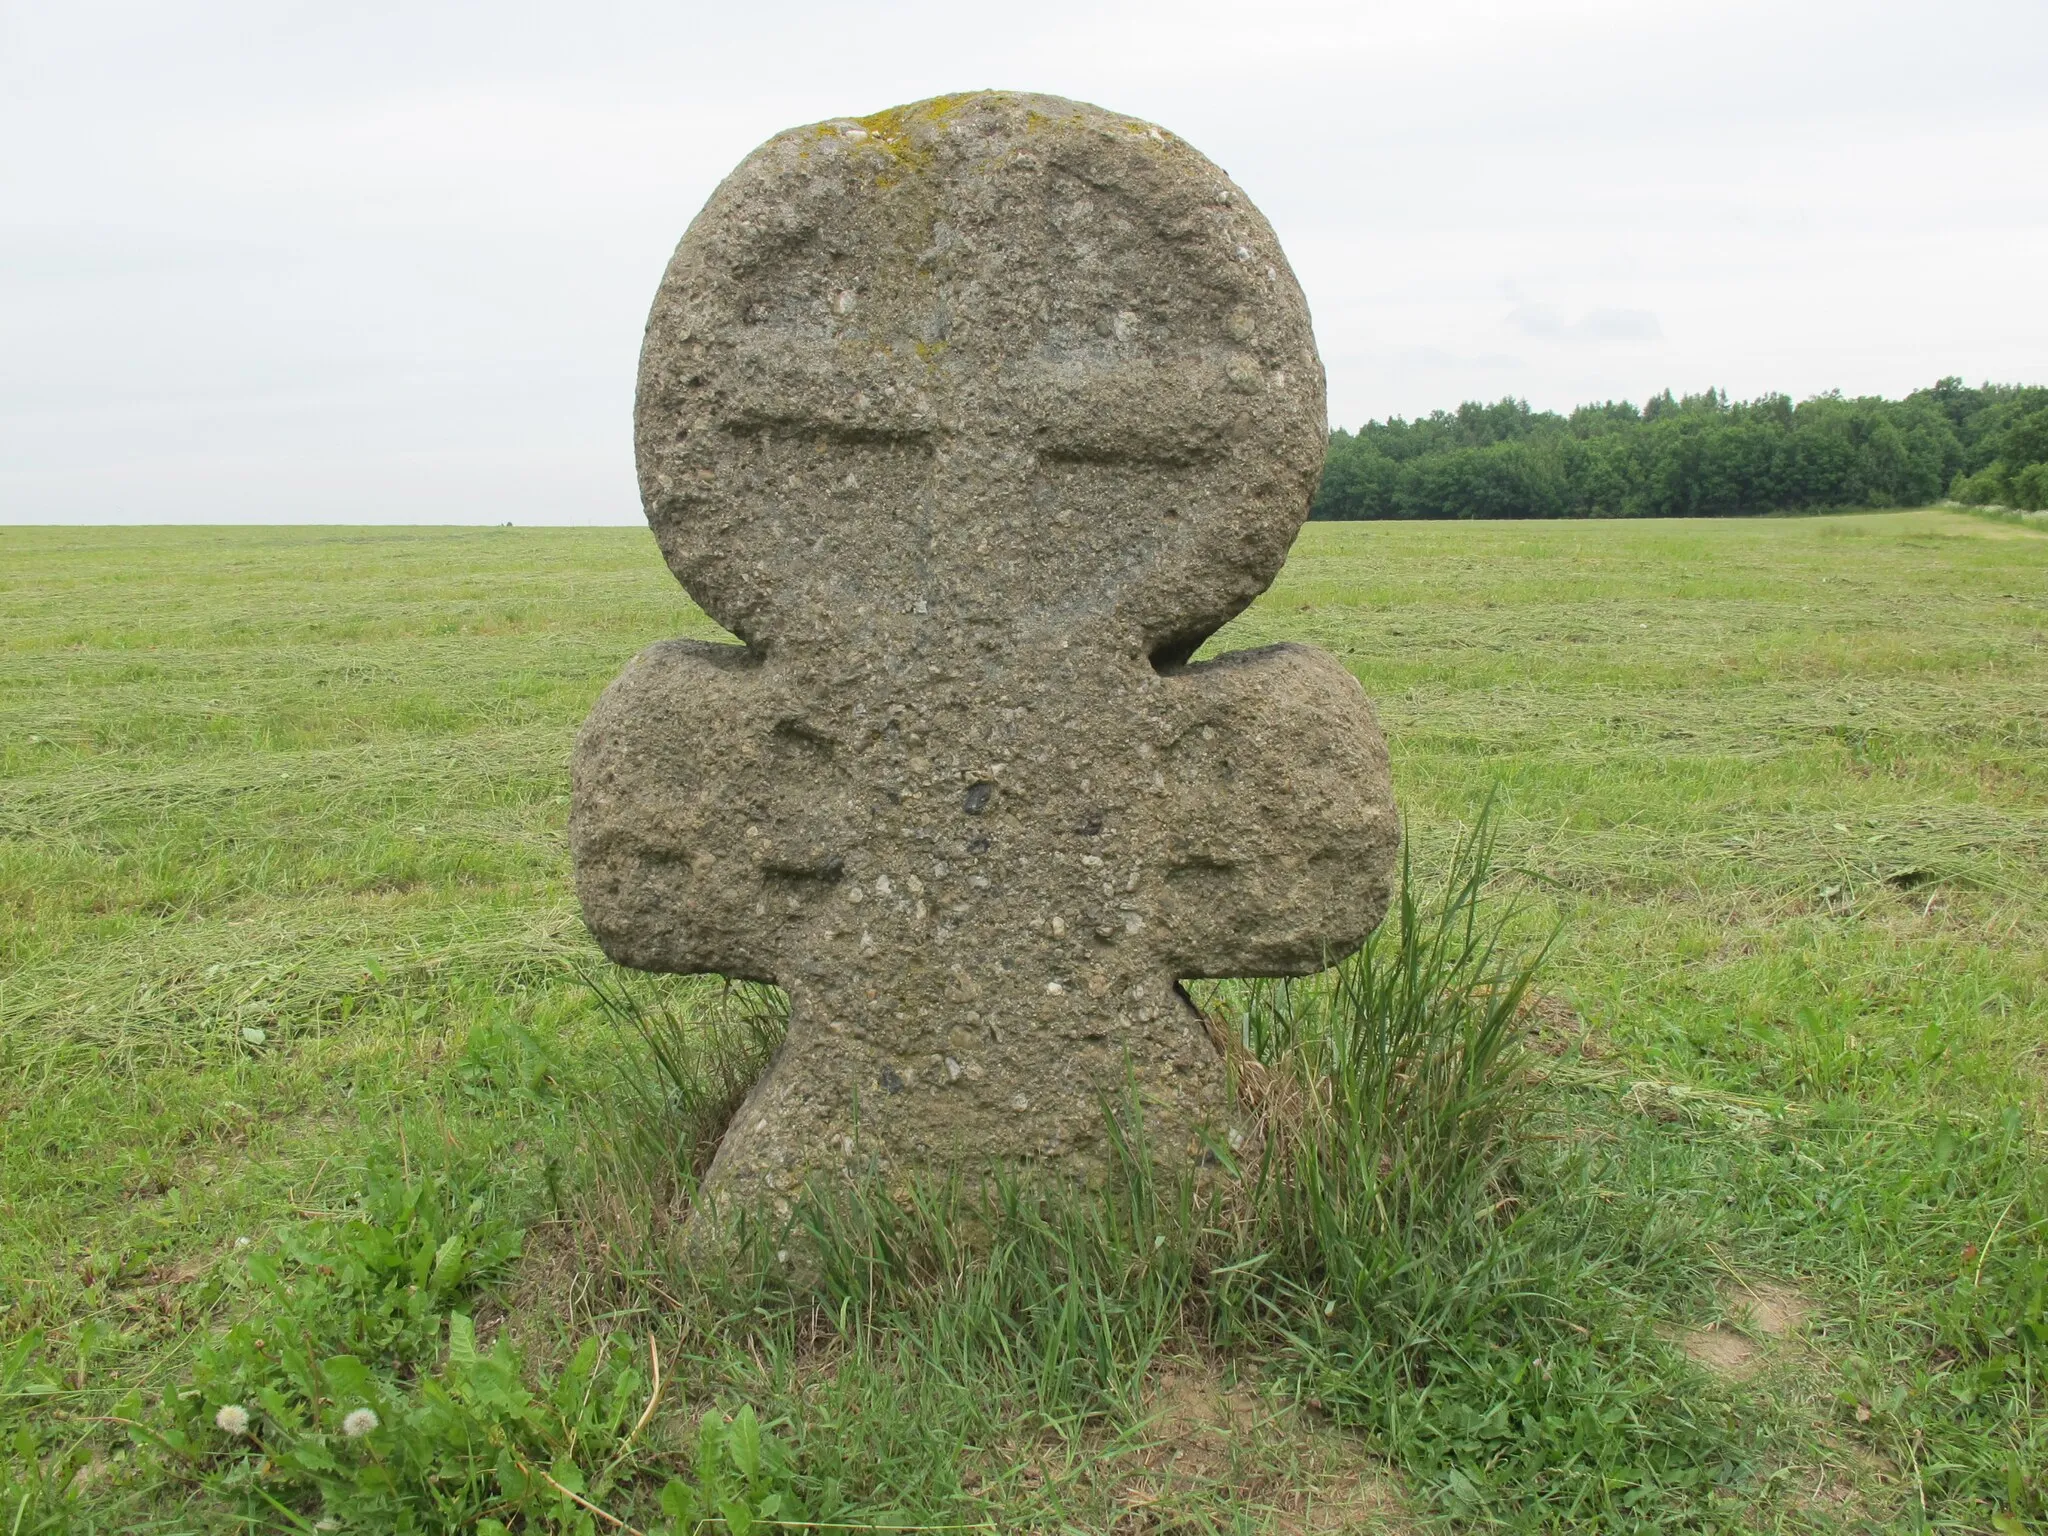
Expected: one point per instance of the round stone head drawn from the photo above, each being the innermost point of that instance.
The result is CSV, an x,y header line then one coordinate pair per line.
x,y
994,371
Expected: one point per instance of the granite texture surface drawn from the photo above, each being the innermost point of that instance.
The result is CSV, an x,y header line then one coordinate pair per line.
x,y
972,420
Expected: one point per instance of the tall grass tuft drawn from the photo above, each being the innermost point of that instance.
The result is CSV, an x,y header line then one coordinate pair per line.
x,y
691,1052
1383,1097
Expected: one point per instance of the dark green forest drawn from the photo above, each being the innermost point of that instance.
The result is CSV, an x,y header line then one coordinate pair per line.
x,y
1697,456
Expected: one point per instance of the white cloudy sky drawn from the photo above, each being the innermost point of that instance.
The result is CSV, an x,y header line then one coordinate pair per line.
x,y
388,260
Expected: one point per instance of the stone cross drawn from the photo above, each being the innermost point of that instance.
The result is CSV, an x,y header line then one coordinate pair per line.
x,y
972,420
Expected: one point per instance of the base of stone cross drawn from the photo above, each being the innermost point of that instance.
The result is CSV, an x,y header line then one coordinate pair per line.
x,y
883,1087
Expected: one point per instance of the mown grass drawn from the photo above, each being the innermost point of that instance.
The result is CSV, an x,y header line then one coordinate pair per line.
x,y
284,922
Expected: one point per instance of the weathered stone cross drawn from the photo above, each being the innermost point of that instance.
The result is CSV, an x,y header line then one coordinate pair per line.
x,y
972,420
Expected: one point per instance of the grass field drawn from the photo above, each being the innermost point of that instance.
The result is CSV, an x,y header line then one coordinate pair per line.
x,y
284,896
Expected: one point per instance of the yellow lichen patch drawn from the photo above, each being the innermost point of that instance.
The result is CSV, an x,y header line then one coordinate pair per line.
x,y
894,122
1036,122
893,131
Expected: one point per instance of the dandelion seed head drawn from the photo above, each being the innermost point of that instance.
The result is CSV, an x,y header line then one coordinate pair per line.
x,y
233,1419
360,1422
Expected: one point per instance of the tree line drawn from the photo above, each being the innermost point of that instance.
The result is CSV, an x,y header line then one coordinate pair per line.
x,y
1697,456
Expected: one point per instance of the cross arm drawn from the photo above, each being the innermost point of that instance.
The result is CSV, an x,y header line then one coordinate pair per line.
x,y
692,848
1284,830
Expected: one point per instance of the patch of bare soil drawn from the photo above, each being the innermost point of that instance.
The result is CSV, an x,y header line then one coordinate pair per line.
x,y
1774,1311
1720,1349
1848,1486
1189,1422
1202,1440
1759,1315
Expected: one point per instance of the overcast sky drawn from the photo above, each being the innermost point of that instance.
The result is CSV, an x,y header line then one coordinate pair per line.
x,y
271,261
